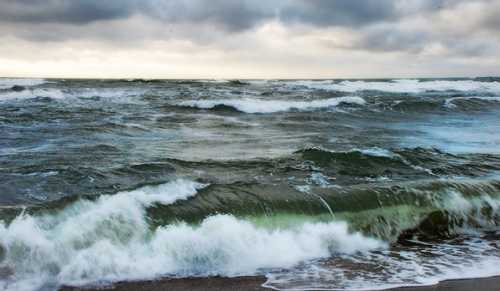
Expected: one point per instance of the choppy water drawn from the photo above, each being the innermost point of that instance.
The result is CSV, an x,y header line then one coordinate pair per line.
x,y
331,184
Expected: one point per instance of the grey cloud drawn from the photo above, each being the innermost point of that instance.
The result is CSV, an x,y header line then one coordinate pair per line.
x,y
58,20
418,39
389,39
226,14
491,20
65,11
233,15
339,12
473,47
475,36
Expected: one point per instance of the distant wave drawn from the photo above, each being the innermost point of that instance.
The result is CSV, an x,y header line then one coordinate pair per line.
x,y
61,94
6,83
269,106
32,93
450,102
400,85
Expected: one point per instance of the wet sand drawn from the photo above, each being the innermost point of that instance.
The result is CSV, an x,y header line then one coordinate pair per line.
x,y
254,283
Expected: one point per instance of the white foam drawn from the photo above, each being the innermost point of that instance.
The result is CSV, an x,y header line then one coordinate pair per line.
x,y
379,152
470,210
6,83
109,239
269,106
401,85
427,264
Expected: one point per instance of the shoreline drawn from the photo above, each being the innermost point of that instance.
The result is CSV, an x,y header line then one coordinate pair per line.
x,y
254,283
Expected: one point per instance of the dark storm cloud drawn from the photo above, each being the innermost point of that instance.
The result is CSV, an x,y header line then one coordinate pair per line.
x,y
230,15
59,20
233,15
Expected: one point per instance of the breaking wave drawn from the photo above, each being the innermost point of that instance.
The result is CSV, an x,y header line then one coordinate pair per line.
x,y
401,86
270,106
109,239
112,238
119,94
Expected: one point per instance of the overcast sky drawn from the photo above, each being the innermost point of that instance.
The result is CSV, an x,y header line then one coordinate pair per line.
x,y
249,38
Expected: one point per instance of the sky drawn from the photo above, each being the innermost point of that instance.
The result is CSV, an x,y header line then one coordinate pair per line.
x,y
249,38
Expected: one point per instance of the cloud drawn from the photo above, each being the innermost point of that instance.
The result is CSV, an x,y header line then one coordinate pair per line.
x,y
227,14
196,20
275,35
385,39
454,29
339,12
231,15
65,11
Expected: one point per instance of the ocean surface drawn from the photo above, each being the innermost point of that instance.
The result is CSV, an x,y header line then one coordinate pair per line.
x,y
316,184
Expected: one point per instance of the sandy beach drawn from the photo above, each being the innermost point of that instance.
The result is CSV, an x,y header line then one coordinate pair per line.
x,y
255,283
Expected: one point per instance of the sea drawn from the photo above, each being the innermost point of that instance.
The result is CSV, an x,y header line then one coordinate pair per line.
x,y
342,184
